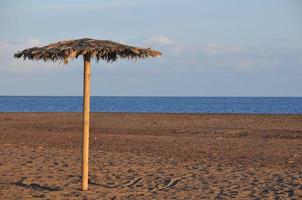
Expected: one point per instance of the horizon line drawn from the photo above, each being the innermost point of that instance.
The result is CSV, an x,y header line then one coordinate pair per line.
x,y
136,96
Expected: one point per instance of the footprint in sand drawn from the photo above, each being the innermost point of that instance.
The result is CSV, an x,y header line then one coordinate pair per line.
x,y
172,182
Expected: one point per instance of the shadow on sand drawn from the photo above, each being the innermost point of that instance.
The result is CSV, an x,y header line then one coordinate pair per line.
x,y
34,186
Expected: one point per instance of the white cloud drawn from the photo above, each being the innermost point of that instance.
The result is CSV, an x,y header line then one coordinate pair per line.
x,y
176,50
33,42
159,40
235,57
210,49
163,44
214,48
9,63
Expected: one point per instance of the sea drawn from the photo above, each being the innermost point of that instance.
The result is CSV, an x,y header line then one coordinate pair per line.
x,y
252,105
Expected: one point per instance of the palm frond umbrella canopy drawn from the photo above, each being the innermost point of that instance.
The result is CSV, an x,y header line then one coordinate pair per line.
x,y
89,49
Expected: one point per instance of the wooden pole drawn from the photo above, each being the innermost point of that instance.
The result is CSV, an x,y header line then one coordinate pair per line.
x,y
86,117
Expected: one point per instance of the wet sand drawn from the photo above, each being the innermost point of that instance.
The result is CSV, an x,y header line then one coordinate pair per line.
x,y
152,156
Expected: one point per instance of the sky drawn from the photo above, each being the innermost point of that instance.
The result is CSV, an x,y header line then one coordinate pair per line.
x,y
209,47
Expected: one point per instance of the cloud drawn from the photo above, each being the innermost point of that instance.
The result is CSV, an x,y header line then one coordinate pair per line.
x,y
176,50
214,48
233,57
9,63
209,49
159,40
242,58
164,44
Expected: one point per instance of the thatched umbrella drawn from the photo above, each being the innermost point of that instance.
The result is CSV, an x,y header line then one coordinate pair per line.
x,y
88,48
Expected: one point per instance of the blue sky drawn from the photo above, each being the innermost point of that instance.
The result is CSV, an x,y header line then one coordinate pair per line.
x,y
210,47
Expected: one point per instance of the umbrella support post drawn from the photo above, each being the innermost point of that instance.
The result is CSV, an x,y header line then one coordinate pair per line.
x,y
86,119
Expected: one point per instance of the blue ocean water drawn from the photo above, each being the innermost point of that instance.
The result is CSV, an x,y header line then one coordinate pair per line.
x,y
269,105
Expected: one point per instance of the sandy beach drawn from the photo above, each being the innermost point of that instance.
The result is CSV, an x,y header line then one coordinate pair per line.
x,y
151,156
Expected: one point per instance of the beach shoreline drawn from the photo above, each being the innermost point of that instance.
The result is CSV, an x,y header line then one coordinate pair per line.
x,y
152,155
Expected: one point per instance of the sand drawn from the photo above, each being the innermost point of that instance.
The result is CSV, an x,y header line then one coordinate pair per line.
x,y
152,156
